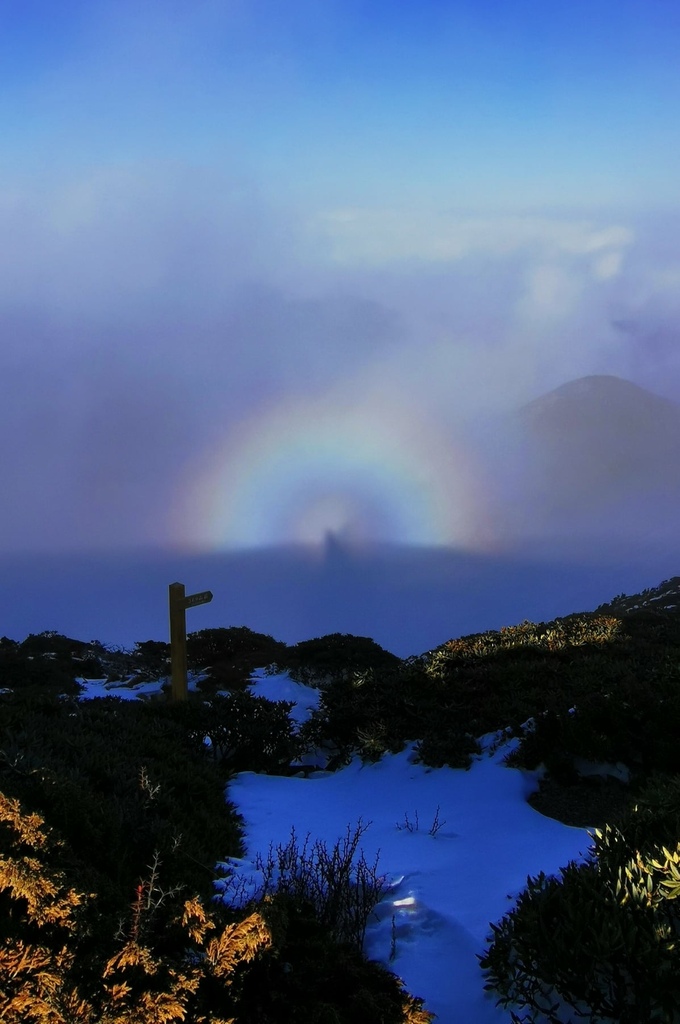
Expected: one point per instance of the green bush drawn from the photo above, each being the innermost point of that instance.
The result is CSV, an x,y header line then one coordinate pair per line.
x,y
245,732
621,674
309,978
151,660
34,665
119,780
229,655
502,678
633,724
336,657
601,938
372,713
447,746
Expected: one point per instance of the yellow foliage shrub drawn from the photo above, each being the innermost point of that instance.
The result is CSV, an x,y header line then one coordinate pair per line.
x,y
559,634
137,986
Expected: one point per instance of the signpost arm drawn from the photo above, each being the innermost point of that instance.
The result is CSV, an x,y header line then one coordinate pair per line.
x,y
178,641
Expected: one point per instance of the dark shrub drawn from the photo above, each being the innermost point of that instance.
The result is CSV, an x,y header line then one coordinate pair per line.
x,y
336,657
229,655
119,780
372,713
45,661
151,659
600,939
246,733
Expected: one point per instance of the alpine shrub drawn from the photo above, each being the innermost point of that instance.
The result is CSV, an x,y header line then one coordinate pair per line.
x,y
601,939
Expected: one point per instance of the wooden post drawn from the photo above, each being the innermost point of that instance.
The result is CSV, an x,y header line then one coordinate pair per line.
x,y
178,642
178,604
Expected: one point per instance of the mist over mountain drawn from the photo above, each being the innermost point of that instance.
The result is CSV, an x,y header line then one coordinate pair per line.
x,y
596,461
588,505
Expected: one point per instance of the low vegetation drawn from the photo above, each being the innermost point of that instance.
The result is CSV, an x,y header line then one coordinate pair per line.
x,y
173,957
226,657
112,823
336,657
113,819
600,939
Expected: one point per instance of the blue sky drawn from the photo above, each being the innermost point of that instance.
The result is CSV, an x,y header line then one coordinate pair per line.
x,y
432,103
217,212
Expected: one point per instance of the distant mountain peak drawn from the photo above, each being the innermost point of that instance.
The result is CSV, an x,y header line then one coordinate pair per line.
x,y
602,400
595,381
604,456
595,388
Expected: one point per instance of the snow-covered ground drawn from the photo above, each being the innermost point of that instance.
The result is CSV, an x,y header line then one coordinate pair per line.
x,y
128,690
447,886
475,842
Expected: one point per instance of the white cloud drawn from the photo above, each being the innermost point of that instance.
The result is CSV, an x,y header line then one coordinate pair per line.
x,y
179,288
608,265
378,237
117,237
552,292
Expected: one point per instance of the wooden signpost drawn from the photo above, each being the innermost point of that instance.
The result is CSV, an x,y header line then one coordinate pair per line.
x,y
179,602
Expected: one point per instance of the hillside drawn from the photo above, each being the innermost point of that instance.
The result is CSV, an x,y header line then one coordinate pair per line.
x,y
586,706
445,697
665,597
